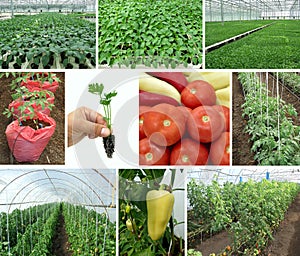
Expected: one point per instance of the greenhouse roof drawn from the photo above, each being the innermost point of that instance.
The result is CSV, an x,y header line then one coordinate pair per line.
x,y
236,175
49,2
270,5
24,188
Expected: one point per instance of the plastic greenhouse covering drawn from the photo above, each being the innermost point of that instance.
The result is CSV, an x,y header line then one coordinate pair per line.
x,y
47,5
217,10
93,188
39,208
236,175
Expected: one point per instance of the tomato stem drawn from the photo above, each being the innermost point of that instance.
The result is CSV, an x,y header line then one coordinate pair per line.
x,y
193,91
228,149
167,122
185,158
149,156
205,119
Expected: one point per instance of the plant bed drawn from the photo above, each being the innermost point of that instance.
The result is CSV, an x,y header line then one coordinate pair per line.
x,y
27,140
54,153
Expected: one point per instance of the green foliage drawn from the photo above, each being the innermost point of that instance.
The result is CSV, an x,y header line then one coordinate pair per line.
x,y
216,31
276,140
291,80
150,33
89,232
274,47
47,41
133,187
105,100
255,210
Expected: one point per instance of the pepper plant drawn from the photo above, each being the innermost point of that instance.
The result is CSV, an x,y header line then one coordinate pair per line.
x,y
145,215
105,100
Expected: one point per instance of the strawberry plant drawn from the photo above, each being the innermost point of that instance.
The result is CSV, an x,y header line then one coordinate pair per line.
x,y
150,33
105,100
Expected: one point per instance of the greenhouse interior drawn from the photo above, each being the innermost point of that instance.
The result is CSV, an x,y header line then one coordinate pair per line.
x,y
39,6
252,34
225,10
243,211
51,212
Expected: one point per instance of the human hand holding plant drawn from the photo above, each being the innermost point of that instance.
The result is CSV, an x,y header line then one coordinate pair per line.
x,y
85,122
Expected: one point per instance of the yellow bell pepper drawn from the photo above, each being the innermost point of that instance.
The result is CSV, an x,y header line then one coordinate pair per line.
x,y
223,96
218,80
151,84
159,206
129,225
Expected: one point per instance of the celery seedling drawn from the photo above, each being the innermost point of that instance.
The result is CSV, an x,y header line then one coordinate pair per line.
x,y
105,99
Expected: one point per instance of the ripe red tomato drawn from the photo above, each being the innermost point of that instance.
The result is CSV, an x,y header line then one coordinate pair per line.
x,y
198,93
186,111
189,152
220,150
142,110
164,124
205,124
225,112
152,154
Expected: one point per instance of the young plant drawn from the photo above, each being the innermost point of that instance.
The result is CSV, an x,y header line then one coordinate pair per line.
x,y
105,100
30,104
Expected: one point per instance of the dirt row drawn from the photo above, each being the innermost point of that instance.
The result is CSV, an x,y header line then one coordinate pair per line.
x,y
55,150
286,240
241,149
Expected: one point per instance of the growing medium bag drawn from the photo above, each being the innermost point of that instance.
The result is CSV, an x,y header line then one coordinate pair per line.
x,y
19,102
32,84
26,143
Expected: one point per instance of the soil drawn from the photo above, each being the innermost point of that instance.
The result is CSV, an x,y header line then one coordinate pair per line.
x,y
109,145
60,244
242,154
286,240
33,125
54,153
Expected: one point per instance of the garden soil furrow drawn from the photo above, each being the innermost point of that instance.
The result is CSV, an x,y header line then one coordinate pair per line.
x,y
241,153
215,244
55,150
60,245
287,238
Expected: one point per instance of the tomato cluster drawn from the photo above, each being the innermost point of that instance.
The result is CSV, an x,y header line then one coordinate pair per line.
x,y
196,132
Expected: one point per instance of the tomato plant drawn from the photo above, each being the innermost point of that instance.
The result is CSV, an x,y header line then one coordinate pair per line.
x,y
189,152
198,93
164,124
152,154
205,124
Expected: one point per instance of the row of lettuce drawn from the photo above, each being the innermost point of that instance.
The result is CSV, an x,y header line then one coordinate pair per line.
x,y
249,211
47,40
32,231
270,123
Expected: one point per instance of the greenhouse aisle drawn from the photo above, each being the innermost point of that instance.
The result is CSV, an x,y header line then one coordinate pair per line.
x,y
60,244
287,239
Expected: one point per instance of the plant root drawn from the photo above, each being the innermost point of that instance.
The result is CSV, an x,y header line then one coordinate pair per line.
x,y
109,145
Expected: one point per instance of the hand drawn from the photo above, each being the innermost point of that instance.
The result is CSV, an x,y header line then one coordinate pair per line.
x,y
85,122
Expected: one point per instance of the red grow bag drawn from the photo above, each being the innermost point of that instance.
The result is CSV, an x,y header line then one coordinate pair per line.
x,y
27,144
33,84
19,102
